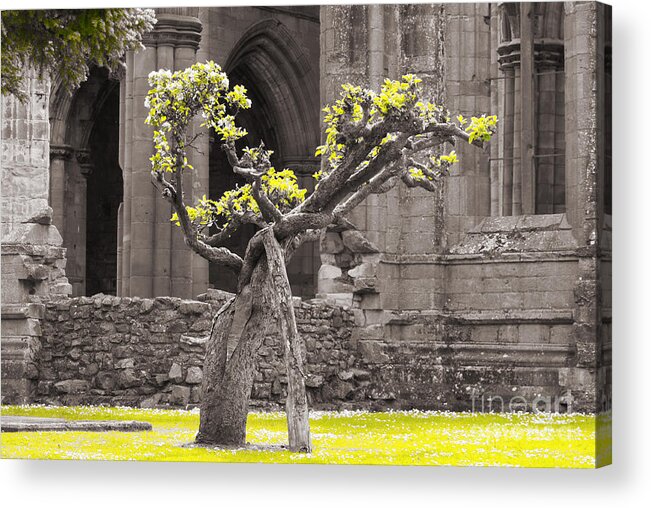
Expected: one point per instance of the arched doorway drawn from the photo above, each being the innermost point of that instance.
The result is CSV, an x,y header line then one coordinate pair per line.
x,y
86,180
283,87
103,196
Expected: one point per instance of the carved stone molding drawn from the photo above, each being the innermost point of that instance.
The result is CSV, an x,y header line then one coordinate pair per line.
x,y
546,54
174,30
62,152
84,161
302,165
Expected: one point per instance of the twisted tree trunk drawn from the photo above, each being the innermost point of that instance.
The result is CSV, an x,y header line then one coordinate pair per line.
x,y
298,424
229,368
239,328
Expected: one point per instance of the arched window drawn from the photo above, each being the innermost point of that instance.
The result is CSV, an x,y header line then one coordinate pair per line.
x,y
531,152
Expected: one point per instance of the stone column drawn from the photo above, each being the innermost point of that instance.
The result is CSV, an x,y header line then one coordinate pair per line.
x,y
526,158
586,26
181,262
126,130
143,198
201,160
163,210
33,261
467,56
155,261
59,157
584,179
423,53
85,166
344,59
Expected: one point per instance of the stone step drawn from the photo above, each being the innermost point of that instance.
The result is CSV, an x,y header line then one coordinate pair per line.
x,y
29,424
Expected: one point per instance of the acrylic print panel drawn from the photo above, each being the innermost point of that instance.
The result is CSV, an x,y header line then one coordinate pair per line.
x,y
351,234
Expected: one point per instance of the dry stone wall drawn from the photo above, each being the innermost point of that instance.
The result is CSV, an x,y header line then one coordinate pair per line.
x,y
149,352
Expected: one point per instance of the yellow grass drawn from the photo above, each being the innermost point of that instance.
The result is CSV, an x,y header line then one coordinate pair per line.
x,y
395,438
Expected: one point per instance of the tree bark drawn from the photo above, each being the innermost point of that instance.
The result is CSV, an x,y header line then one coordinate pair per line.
x,y
232,351
228,378
296,407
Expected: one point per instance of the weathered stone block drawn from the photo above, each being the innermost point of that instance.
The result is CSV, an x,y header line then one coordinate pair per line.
x,y
176,373
72,386
151,402
314,381
201,325
195,394
357,242
126,363
127,378
327,272
331,243
338,389
180,395
372,351
194,375
193,307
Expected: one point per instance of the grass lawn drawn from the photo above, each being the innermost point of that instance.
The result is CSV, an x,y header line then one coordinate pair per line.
x,y
392,438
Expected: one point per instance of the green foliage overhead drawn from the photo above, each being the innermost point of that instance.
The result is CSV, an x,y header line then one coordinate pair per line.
x,y
373,140
66,42
281,187
174,99
397,100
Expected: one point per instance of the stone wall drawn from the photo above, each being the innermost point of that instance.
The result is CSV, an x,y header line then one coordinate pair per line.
x,y
149,352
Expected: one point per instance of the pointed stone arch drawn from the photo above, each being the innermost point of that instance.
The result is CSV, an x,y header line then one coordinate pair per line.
x,y
84,135
280,75
283,85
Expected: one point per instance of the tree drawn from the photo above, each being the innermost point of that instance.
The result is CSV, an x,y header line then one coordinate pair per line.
x,y
67,42
373,142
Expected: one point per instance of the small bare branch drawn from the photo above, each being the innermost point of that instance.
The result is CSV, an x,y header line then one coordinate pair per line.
x,y
219,255
268,210
375,185
410,181
292,244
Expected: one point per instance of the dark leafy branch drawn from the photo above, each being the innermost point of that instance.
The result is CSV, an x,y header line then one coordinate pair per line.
x,y
66,42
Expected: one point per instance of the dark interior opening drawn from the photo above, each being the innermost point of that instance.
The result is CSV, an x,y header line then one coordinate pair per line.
x,y
104,194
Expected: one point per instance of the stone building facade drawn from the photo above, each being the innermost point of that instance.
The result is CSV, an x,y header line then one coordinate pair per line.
x,y
497,285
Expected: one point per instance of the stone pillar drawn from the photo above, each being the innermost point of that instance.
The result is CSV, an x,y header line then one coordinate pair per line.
x,y
126,130
32,258
154,259
423,53
344,59
527,167
584,179
201,160
467,56
586,26
527,110
163,210
85,168
59,157
181,262
143,198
